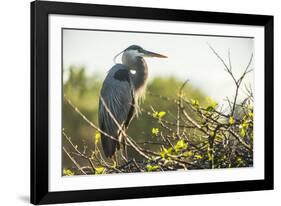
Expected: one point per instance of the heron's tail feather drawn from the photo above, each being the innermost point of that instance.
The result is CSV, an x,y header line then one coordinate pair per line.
x,y
109,145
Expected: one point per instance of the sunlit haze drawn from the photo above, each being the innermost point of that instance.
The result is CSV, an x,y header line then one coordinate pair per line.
x,y
189,57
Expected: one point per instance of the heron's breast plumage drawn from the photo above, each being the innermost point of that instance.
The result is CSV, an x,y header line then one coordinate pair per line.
x,y
139,79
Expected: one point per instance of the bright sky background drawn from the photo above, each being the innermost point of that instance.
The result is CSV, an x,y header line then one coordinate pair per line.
x,y
189,57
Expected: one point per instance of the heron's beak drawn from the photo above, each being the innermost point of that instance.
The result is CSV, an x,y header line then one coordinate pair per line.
x,y
152,54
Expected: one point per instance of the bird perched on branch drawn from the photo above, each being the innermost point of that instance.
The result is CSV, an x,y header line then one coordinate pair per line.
x,y
120,94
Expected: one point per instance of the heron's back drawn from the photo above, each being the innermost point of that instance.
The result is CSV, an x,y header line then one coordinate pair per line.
x,y
118,94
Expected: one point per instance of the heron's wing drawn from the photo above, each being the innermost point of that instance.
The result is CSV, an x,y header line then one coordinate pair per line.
x,y
117,93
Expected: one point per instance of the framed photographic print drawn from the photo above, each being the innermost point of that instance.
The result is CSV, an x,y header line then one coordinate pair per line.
x,y
131,102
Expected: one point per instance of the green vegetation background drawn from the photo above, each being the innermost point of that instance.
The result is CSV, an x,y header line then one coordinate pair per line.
x,y
83,90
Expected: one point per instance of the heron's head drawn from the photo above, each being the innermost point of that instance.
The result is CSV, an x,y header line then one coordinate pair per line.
x,y
135,51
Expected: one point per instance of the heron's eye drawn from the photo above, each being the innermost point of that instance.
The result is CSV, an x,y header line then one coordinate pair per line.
x,y
135,53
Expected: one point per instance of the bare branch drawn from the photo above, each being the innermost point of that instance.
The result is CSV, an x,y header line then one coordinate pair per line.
x,y
74,161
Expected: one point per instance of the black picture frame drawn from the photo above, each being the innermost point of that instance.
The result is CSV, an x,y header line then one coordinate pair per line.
x,y
40,99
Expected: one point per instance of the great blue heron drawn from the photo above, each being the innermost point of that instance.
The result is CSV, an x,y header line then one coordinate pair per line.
x,y
120,94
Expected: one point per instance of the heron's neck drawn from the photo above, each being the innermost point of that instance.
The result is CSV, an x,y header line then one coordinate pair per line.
x,y
141,72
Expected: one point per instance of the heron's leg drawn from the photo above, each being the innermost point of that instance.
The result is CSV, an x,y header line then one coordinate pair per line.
x,y
123,152
125,148
114,159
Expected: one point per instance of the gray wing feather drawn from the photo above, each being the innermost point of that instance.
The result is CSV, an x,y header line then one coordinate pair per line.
x,y
118,96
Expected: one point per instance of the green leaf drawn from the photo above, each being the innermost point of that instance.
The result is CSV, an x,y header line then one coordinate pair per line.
x,y
100,170
250,114
210,108
245,124
67,172
240,161
198,156
97,137
155,131
188,154
242,132
181,144
161,114
158,115
195,102
165,152
170,150
231,120
155,114
151,168
212,104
